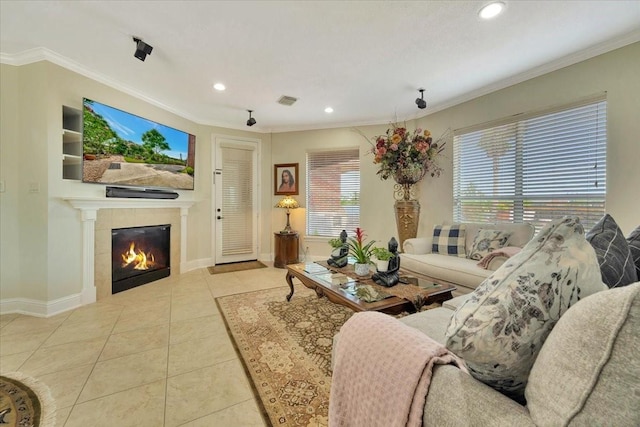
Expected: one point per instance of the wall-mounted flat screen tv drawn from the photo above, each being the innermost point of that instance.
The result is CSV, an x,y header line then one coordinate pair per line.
x,y
123,149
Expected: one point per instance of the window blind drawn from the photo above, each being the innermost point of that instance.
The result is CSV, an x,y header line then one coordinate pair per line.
x,y
534,170
237,201
333,192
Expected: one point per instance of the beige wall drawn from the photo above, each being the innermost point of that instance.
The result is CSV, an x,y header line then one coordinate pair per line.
x,y
614,73
9,175
292,147
41,233
41,244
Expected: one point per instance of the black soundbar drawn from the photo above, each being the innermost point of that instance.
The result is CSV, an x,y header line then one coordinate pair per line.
x,y
140,193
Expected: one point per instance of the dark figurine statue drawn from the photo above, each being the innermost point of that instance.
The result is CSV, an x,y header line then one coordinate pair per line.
x,y
340,255
390,277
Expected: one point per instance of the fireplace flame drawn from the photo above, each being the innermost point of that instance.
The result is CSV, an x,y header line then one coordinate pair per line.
x,y
139,259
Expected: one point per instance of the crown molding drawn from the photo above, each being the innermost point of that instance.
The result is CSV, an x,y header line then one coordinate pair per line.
x,y
43,54
572,59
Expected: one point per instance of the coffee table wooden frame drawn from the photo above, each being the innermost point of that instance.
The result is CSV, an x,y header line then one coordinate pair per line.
x,y
391,305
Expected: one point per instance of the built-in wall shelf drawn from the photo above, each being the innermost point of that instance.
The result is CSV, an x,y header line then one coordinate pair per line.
x,y
69,159
71,143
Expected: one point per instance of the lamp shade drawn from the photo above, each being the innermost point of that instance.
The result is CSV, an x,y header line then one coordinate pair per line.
x,y
288,202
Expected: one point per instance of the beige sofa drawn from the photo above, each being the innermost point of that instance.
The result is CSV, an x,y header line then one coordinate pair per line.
x,y
462,272
586,374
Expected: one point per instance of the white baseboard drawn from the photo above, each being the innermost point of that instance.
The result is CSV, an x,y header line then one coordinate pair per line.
x,y
196,264
38,308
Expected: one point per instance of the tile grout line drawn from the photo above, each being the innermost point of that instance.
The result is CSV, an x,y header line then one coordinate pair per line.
x,y
166,379
43,341
140,300
75,403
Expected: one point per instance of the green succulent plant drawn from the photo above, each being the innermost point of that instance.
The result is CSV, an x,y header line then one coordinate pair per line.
x,y
383,254
335,243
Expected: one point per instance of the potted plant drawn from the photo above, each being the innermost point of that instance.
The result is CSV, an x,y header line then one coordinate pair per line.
x,y
335,243
382,255
361,252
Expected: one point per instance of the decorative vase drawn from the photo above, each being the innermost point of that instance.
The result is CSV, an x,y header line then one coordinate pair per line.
x,y
406,205
407,217
382,265
361,269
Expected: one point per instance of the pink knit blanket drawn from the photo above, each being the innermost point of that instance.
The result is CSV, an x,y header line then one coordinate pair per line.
x,y
382,372
507,252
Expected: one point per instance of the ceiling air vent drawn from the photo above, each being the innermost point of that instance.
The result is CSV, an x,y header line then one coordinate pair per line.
x,y
287,100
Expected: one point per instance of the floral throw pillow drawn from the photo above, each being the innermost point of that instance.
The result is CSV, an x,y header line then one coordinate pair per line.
x,y
449,240
487,241
500,329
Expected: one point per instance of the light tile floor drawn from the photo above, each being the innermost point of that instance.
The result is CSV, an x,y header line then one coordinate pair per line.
x,y
156,355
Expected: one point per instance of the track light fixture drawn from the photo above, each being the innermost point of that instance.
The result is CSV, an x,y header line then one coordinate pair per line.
x,y
420,102
251,120
142,49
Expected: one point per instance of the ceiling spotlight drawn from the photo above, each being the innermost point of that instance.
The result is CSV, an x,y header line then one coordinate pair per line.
x,y
142,49
251,120
491,10
328,110
420,102
219,86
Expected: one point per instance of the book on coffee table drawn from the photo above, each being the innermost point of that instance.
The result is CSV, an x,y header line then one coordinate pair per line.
x,y
336,279
313,268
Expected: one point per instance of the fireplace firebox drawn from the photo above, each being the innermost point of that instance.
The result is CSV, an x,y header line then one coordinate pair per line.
x,y
139,255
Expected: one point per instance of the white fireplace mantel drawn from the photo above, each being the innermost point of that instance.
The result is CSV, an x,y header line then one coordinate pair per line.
x,y
89,208
96,203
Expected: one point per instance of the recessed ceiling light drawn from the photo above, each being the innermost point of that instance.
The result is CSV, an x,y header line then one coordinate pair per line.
x,y
219,86
491,10
328,110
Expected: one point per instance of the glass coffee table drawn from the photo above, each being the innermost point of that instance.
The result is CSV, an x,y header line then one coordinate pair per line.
x,y
342,286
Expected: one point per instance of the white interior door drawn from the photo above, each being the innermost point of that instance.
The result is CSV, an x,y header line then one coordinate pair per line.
x,y
236,200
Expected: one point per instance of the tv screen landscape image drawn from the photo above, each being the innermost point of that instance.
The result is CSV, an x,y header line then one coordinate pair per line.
x,y
120,148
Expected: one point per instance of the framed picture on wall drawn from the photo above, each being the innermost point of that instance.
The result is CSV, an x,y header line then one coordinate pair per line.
x,y
285,179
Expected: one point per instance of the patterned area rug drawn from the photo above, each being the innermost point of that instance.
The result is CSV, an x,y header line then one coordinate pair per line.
x,y
25,402
286,350
235,266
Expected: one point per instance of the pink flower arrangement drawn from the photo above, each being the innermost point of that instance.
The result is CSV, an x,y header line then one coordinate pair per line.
x,y
406,156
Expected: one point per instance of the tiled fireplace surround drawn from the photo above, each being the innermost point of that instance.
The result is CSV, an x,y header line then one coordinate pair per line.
x,y
100,216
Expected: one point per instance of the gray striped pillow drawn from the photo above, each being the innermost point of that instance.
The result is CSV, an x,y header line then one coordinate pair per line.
x,y
633,240
616,263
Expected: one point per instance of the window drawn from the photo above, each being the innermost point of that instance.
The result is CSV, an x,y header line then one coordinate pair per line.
x,y
536,169
333,192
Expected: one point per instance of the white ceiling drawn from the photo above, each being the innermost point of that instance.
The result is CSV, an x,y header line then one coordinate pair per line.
x,y
365,59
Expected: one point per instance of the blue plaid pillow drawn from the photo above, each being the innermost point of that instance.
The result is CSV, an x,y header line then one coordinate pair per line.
x,y
449,240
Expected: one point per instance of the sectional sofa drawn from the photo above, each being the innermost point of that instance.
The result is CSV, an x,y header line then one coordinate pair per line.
x,y
418,256
549,339
574,381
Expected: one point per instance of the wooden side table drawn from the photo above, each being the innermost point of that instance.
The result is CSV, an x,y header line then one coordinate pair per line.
x,y
286,249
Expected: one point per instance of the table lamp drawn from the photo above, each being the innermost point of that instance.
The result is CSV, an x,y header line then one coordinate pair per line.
x,y
287,203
